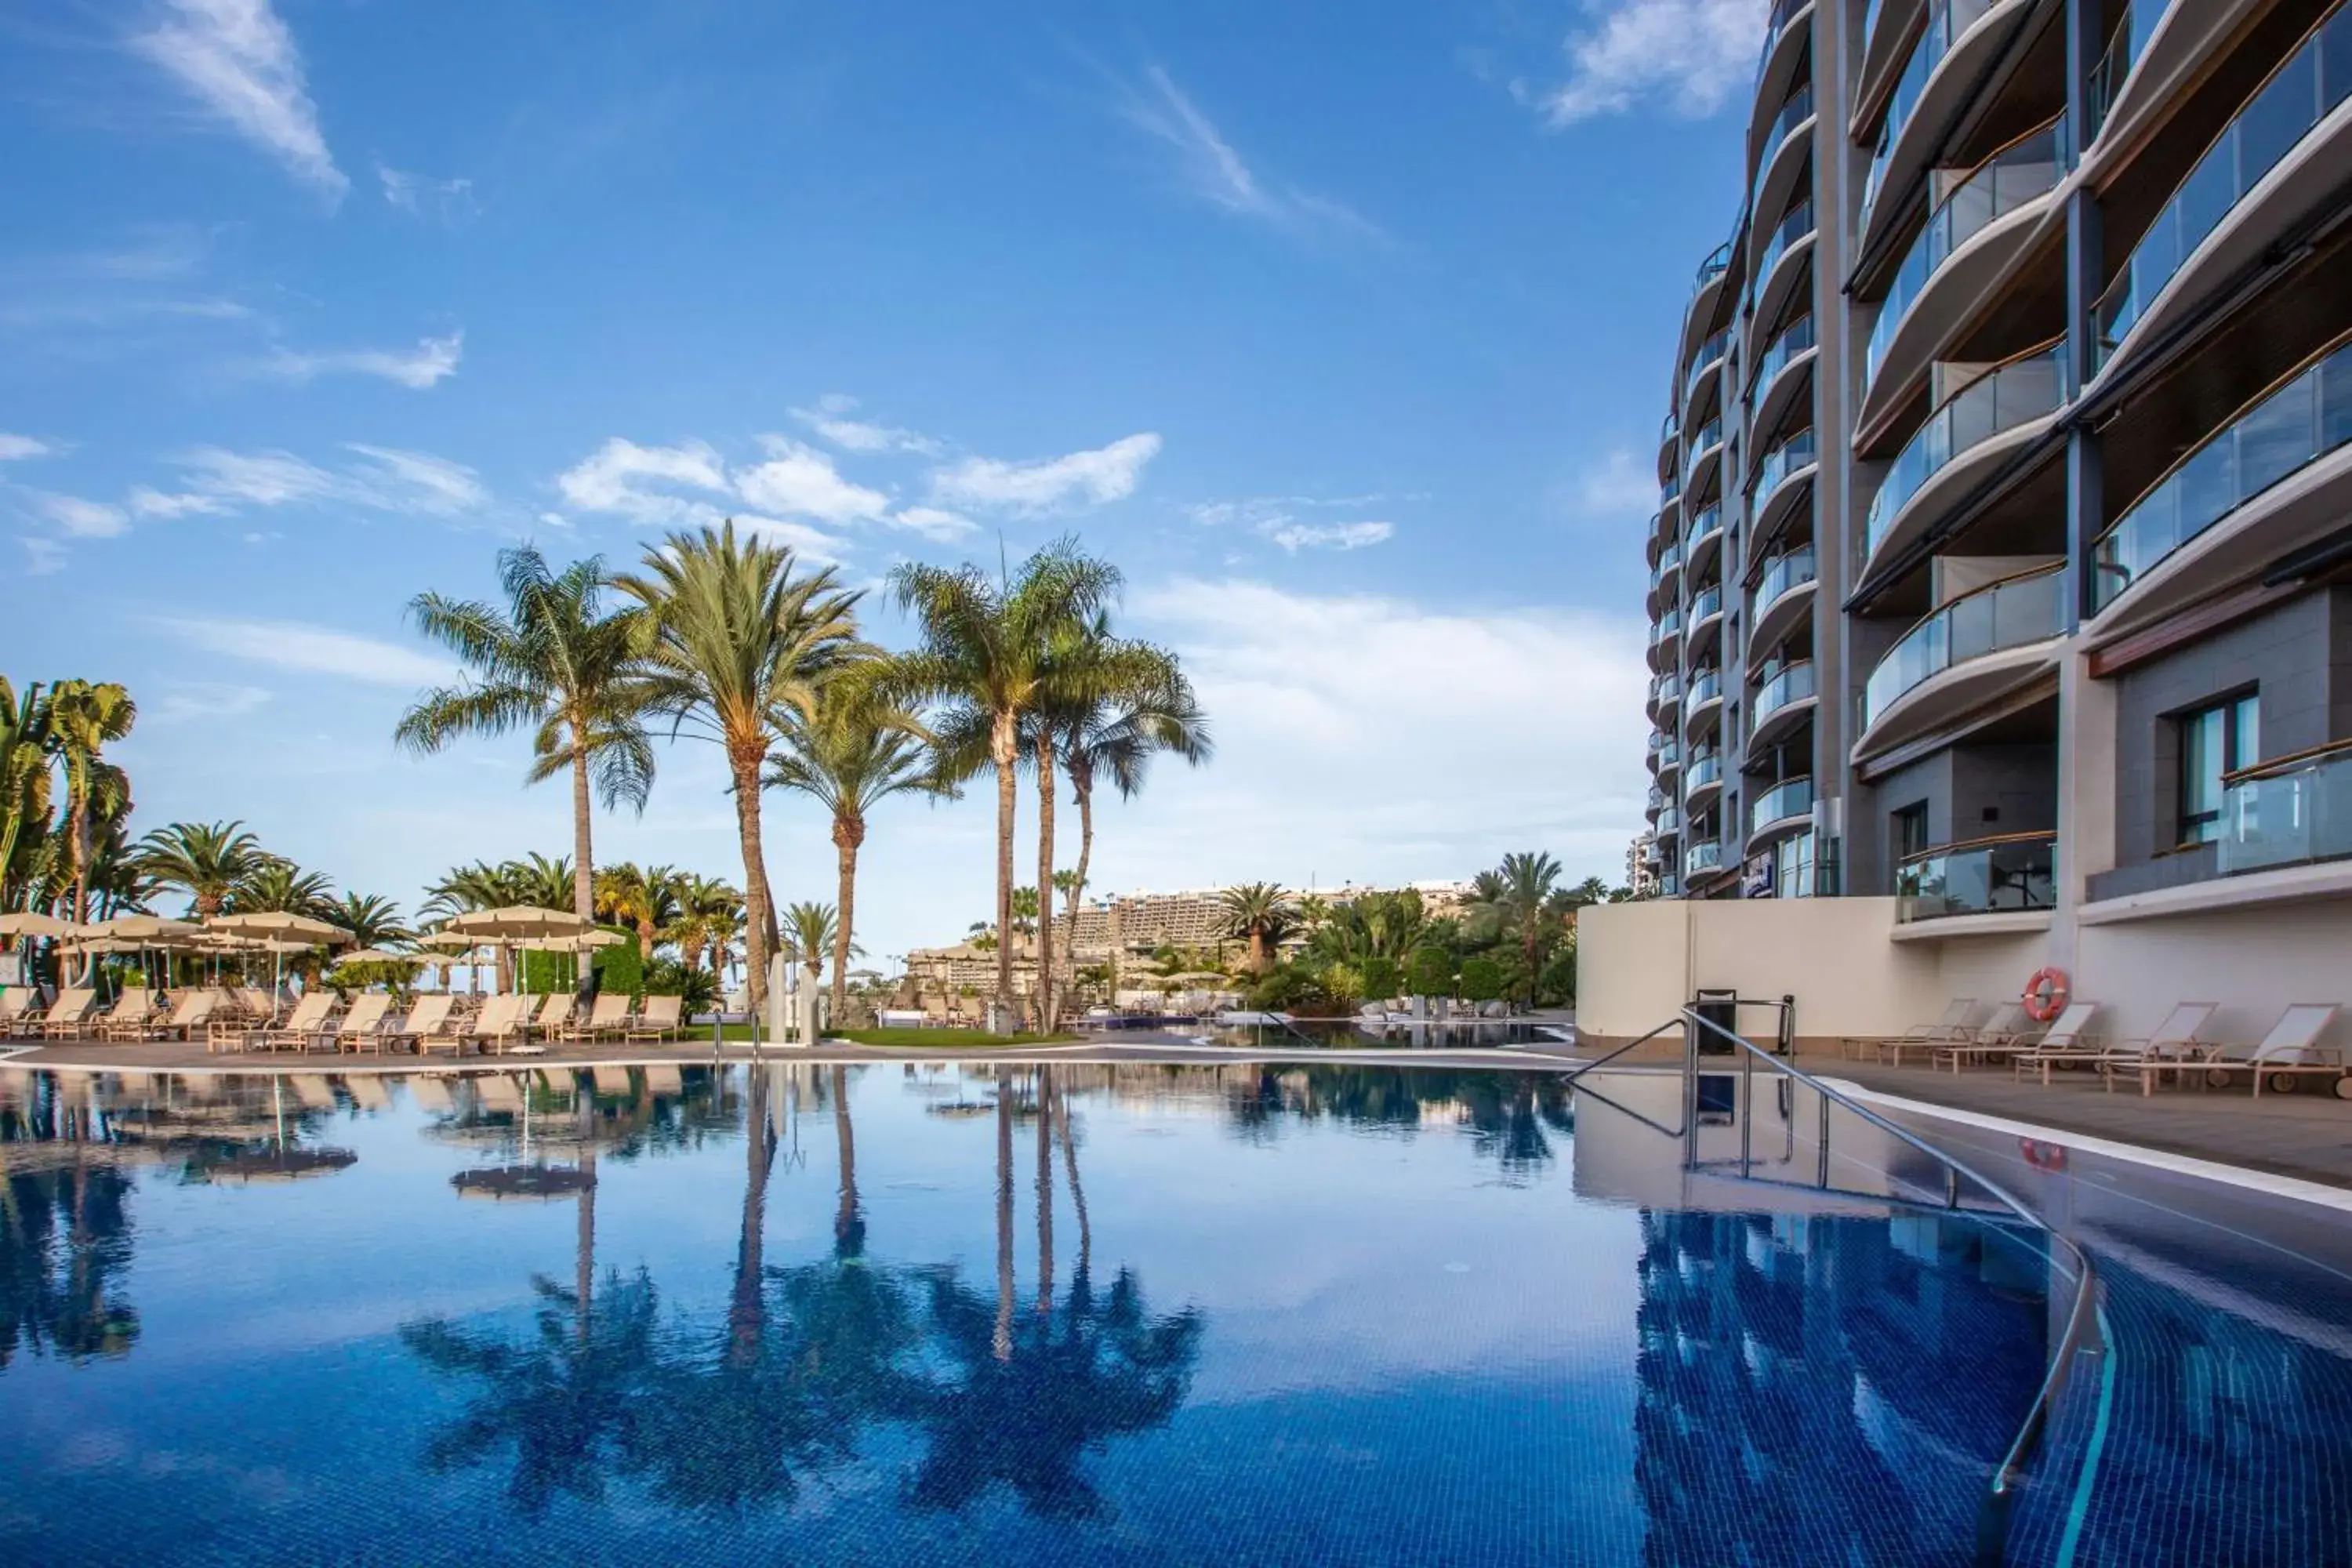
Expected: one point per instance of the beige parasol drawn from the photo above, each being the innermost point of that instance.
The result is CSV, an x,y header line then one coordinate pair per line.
x,y
153,930
378,955
32,922
517,922
279,925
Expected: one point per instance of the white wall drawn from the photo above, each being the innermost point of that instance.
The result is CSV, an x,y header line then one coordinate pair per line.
x,y
2253,961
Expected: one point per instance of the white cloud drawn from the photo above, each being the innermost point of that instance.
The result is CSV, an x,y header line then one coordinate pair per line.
x,y
146,501
255,478
1296,536
830,419
800,481
17,449
42,556
215,482
1217,173
430,362
1417,701
80,518
1691,54
186,702
813,543
1105,474
319,651
423,197
616,478
238,59
423,482
933,523
1619,487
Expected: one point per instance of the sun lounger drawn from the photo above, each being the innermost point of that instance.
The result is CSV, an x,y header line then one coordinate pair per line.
x,y
2174,1046
306,1023
246,1015
185,1019
67,1016
2291,1048
658,1021
2066,1043
501,1023
2006,1033
315,1093
15,1001
367,1092
496,1091
554,1014
608,1020
1957,1022
613,1080
129,1018
363,1025
434,1023
664,1078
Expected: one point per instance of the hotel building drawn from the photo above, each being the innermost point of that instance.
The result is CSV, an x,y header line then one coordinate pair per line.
x,y
2002,566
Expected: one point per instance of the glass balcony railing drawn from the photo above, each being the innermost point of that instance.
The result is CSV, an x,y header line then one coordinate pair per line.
x,y
1790,798
1668,429
2009,614
1658,798
1670,886
1947,20
1667,491
2025,169
1791,684
1783,572
1795,453
1783,11
1709,436
1795,340
1669,626
2302,421
2025,388
2289,811
1708,603
1983,876
1670,561
1701,858
1709,354
1793,113
1706,768
1668,756
1705,688
1670,821
1717,263
2297,97
2116,61
1702,527
1795,227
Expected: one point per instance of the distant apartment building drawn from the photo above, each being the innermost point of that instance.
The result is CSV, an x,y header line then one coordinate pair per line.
x,y
2003,557
1642,865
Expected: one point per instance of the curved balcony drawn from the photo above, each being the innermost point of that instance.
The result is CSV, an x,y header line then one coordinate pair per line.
x,y
1983,420
1706,295
1776,170
2285,430
1700,455
1666,761
1783,698
2125,46
1665,691
1777,58
1904,133
1666,639
2006,874
1985,643
2258,164
1770,282
1708,606
1768,395
1670,445
2017,174
1669,823
1706,698
1708,360
1780,480
1787,805
1705,777
1670,886
1669,492
1703,858
1667,569
1782,595
1699,542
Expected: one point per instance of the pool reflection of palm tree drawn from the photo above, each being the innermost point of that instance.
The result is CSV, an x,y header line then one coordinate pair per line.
x,y
71,1305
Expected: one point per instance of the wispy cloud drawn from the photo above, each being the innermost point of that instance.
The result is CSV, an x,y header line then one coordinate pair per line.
x,y
17,449
239,60
1048,484
417,482
936,523
1297,536
420,368
1214,171
78,517
1616,488
42,556
800,481
1275,519
831,420
423,197
644,484
318,650
187,701
1689,55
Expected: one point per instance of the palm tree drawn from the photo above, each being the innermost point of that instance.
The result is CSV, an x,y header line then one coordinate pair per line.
x,y
280,886
733,636
1529,882
850,752
992,652
644,898
1261,912
25,743
811,932
553,660
371,919
708,913
480,886
85,717
204,859
541,882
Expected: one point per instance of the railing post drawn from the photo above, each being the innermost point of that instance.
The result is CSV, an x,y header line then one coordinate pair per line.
x,y
1951,1188
1822,1143
1747,1111
1690,1090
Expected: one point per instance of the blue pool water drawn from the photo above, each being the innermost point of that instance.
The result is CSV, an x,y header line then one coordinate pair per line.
x,y
1132,1314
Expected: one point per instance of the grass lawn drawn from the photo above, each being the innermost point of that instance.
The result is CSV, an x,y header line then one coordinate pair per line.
x,y
964,1039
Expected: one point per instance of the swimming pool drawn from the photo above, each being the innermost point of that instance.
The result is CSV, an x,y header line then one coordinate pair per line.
x,y
1132,1313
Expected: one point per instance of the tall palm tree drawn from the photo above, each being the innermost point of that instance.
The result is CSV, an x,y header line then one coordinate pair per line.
x,y
204,859
732,637
644,897
25,743
708,913
850,752
278,886
1263,914
480,886
371,919
544,882
1529,882
85,717
553,659
811,932
991,652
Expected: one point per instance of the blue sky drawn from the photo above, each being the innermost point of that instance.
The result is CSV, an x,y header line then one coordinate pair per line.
x,y
1344,330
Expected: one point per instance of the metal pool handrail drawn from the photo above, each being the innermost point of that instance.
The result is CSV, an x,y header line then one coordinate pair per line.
x,y
2078,1320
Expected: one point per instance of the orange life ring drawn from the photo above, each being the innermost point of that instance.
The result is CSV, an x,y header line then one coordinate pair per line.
x,y
2045,995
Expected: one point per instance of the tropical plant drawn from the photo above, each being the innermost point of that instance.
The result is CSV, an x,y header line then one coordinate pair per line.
x,y
25,781
1429,972
733,636
480,886
1531,909
991,652
810,932
85,717
555,660
697,989
278,886
1262,914
709,918
543,882
638,896
849,751
372,920
1482,979
205,860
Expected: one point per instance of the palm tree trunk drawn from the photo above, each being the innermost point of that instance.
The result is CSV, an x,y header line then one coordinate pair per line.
x,y
1002,1342
759,918
747,1308
1044,883
1077,1193
1004,745
77,845
1044,1191
583,1283
645,939
1082,790
584,870
849,1225
848,833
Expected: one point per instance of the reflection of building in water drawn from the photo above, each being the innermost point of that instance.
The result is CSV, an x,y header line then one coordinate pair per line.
x,y
1889,1363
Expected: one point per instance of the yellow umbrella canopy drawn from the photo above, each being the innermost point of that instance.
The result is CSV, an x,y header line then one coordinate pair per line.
x,y
517,922
32,922
277,925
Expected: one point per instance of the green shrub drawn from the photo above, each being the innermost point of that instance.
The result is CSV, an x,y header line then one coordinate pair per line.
x,y
695,989
621,970
1383,978
1429,972
1482,979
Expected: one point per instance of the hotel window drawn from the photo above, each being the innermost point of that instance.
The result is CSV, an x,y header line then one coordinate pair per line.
x,y
2214,741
